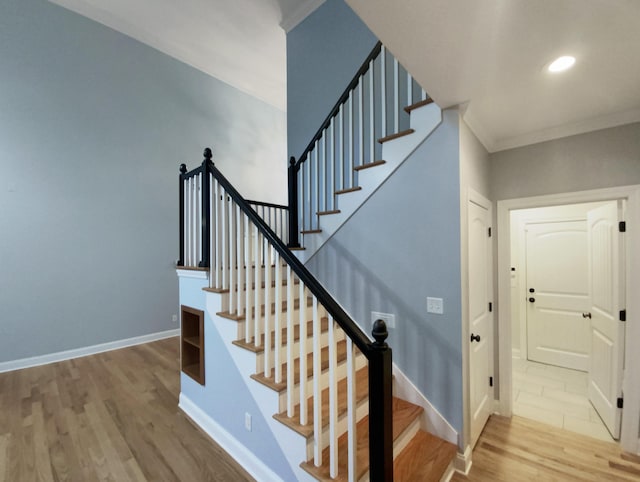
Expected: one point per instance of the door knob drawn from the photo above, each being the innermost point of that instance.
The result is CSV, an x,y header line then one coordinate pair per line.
x,y
532,300
532,290
474,337
586,315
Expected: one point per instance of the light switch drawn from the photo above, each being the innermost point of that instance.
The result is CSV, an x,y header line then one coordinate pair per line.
x,y
435,305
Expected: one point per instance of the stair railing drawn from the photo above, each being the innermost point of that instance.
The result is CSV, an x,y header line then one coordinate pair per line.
x,y
245,253
370,109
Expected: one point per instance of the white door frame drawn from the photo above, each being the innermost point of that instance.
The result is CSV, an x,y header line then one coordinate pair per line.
x,y
631,415
480,200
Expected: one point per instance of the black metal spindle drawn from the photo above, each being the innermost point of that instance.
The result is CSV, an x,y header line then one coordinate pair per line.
x,y
293,204
181,180
206,214
380,407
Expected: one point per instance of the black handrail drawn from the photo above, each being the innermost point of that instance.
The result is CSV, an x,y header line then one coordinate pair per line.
x,y
343,98
378,353
267,205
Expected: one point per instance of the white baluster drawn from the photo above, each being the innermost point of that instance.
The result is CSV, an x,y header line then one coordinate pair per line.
x,y
257,331
423,95
240,217
383,91
212,228
333,400
396,96
351,411
351,127
361,120
268,298
225,240
189,223
233,264
303,355
372,117
249,312
341,162
198,238
324,172
409,89
277,359
317,182
290,341
331,172
317,387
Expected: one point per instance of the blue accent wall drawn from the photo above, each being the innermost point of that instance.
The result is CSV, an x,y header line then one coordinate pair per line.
x,y
323,54
93,127
401,246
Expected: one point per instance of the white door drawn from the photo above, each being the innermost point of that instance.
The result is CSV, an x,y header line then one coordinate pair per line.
x,y
480,318
607,331
558,294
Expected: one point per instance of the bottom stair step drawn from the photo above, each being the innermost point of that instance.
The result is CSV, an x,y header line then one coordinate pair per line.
x,y
404,414
426,458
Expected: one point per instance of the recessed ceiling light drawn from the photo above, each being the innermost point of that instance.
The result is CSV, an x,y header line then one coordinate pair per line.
x,y
561,63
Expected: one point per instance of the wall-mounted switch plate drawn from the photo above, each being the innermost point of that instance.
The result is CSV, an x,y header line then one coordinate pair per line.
x,y
435,305
388,318
174,318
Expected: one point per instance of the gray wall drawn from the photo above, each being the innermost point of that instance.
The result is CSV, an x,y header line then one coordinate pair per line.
x,y
323,54
93,126
401,246
605,158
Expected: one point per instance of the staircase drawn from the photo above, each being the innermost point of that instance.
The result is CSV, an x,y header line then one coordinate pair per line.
x,y
418,455
324,387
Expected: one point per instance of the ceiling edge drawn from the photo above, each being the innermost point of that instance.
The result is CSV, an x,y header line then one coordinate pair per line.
x,y
582,127
302,11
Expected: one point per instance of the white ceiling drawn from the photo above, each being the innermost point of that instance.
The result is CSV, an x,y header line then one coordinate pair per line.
x,y
492,54
489,54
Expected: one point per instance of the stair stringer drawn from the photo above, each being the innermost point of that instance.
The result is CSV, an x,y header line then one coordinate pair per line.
x,y
423,121
292,444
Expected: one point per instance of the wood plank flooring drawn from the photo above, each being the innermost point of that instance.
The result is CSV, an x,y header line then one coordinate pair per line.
x,y
112,416
518,449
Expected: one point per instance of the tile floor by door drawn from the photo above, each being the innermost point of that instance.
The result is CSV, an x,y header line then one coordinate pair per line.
x,y
555,396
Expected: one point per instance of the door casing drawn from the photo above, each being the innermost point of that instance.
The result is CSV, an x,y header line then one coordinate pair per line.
x,y
631,415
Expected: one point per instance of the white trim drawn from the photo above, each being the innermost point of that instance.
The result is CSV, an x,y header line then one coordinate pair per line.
x,y
85,351
228,442
192,273
431,420
629,438
291,19
516,353
462,462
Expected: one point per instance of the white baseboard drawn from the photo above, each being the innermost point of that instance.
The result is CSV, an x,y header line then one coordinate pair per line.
x,y
228,442
85,351
462,462
431,420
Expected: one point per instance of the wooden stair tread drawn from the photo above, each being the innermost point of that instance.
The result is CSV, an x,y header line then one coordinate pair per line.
x,y
426,457
369,164
362,392
404,414
238,317
348,190
324,327
311,231
298,248
397,135
325,213
417,105
324,365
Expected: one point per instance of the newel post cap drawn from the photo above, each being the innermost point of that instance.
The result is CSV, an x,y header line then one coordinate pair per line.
x,y
380,333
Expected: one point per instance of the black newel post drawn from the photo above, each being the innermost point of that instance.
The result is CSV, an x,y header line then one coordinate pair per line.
x,y
206,208
293,204
183,171
380,409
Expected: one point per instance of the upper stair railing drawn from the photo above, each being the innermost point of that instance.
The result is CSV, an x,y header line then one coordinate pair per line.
x,y
221,231
349,139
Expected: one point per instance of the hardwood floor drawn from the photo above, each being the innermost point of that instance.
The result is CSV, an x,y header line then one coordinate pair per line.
x,y
112,416
519,449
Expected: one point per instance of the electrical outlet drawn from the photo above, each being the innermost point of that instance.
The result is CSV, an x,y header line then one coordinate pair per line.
x,y
435,305
247,421
174,318
388,318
